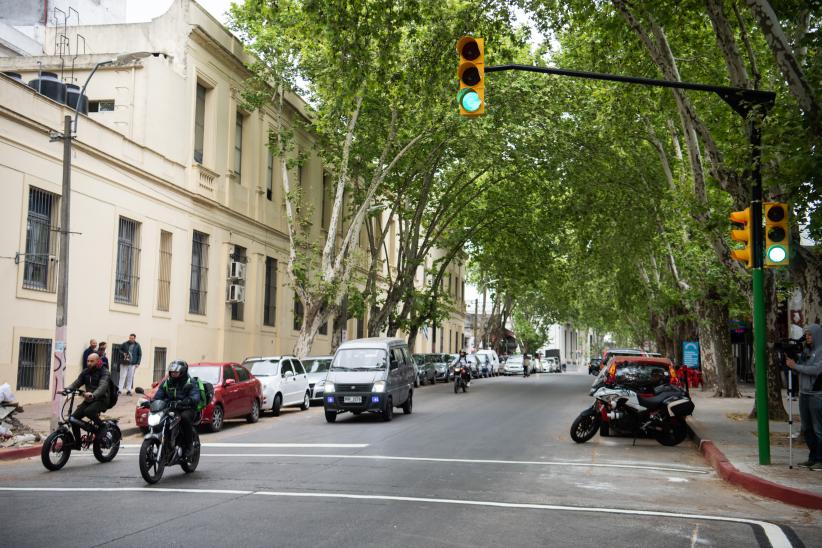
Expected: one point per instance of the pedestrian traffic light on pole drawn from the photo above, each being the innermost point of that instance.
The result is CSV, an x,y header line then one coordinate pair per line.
x,y
743,235
777,234
471,73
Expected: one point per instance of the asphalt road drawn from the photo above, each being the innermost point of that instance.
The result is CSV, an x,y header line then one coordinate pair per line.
x,y
494,467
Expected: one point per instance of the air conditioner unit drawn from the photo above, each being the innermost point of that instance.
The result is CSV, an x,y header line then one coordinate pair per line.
x,y
236,270
236,293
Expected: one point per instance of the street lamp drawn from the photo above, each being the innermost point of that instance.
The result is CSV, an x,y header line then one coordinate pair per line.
x,y
61,329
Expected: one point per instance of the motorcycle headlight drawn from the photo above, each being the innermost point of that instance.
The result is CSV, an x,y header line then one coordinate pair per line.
x,y
379,387
154,419
329,387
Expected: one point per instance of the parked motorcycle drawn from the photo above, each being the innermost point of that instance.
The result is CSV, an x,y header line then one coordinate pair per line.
x,y
103,436
621,410
163,445
462,376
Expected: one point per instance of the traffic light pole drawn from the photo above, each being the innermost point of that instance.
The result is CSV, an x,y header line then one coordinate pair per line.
x,y
752,105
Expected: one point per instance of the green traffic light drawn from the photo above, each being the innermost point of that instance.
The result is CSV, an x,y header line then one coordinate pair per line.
x,y
469,100
777,254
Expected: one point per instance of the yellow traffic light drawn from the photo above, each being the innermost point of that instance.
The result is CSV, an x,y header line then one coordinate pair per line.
x,y
777,234
743,235
471,74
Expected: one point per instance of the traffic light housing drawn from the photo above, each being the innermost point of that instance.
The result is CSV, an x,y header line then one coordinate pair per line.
x,y
744,236
777,234
471,74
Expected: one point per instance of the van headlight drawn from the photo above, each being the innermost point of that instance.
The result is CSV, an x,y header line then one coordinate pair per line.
x,y
379,387
328,387
154,419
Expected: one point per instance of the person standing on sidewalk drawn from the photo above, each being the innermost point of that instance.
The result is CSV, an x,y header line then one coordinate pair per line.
x,y
132,355
92,349
810,395
101,353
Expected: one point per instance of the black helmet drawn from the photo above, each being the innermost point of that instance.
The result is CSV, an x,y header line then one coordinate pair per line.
x,y
178,366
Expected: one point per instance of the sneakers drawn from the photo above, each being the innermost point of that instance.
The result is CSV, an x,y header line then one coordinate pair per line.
x,y
128,393
817,467
806,464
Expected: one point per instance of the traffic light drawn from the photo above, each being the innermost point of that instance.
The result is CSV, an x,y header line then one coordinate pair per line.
x,y
777,234
743,235
471,73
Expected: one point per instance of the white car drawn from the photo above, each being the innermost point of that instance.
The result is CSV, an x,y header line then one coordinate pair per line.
x,y
317,369
513,366
285,383
493,358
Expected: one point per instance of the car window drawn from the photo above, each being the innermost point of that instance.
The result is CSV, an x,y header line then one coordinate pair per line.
x,y
317,365
642,374
359,359
406,355
208,373
420,359
285,367
242,373
264,368
298,367
228,373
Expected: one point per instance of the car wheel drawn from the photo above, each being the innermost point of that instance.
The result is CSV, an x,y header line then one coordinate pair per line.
x,y
388,410
217,419
409,404
254,416
275,407
330,416
306,402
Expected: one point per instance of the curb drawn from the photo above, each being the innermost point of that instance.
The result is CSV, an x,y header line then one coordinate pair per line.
x,y
14,453
749,482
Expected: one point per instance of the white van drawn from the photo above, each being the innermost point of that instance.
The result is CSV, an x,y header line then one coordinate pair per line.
x,y
493,358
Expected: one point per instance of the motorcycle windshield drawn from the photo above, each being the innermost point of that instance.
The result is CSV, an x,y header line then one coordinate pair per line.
x,y
157,405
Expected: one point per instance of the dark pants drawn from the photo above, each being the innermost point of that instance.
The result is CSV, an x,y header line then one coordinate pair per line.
x,y
87,410
187,427
807,405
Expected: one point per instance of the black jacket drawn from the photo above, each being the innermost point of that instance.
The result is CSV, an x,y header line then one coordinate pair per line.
x,y
184,390
96,381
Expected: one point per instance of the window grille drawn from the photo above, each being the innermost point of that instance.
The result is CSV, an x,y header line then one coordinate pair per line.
x,y
127,277
238,146
40,262
103,105
33,364
199,274
159,363
238,309
269,179
164,272
270,296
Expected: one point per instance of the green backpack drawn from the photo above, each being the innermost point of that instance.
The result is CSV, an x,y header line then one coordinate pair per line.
x,y
205,388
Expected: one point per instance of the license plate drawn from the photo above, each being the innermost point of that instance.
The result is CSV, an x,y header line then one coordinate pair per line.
x,y
352,399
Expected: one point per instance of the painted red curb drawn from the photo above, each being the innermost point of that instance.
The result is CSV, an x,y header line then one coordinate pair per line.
x,y
754,484
13,453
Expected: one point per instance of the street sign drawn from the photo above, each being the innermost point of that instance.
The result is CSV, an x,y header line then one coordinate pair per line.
x,y
690,354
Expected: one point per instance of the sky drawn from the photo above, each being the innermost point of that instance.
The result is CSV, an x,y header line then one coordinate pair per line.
x,y
145,10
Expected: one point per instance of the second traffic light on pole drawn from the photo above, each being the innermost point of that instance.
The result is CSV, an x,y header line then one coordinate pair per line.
x,y
777,235
471,73
743,235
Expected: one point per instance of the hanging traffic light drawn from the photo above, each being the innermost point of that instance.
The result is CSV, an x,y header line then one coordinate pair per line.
x,y
743,235
777,234
471,73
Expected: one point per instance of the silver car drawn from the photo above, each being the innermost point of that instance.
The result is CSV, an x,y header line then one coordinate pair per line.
x,y
513,366
317,369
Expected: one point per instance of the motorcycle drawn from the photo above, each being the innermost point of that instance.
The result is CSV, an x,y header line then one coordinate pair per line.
x,y
621,410
162,446
462,376
103,436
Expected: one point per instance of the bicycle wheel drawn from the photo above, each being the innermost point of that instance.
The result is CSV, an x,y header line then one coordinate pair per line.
x,y
56,450
106,443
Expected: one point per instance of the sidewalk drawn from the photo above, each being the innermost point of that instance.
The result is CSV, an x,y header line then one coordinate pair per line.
x,y
728,439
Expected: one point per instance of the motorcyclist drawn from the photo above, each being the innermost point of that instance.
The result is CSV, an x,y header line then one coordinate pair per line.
x,y
460,362
95,377
180,390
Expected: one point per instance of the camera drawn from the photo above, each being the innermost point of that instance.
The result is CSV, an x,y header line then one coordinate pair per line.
x,y
788,348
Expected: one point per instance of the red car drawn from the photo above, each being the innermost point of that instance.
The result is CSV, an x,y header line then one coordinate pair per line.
x,y
236,394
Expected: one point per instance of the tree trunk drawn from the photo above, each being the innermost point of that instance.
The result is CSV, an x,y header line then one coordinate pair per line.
x,y
715,348
806,270
313,319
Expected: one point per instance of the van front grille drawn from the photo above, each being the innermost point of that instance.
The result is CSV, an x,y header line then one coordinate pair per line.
x,y
352,387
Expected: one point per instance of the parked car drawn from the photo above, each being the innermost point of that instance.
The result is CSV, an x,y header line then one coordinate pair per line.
x,y
474,366
611,354
370,375
551,365
285,383
484,365
237,394
639,373
493,357
426,370
513,365
316,367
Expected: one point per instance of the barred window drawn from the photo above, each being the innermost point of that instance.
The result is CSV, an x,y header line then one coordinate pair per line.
x,y
199,274
269,178
159,363
33,364
40,266
238,146
127,276
298,313
238,309
270,295
328,200
324,328
164,272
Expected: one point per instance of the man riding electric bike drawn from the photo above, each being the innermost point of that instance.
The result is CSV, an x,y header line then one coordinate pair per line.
x,y
181,391
95,377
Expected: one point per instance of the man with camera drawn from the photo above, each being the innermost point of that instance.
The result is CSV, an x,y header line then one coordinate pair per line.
x,y
809,369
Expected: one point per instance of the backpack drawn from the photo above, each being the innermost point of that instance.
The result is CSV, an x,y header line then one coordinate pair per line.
x,y
206,392
113,393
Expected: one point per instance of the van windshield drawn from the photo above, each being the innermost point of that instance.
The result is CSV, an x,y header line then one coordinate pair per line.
x,y
359,359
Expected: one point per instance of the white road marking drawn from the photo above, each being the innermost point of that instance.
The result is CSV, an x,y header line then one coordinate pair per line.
x,y
271,445
773,532
436,459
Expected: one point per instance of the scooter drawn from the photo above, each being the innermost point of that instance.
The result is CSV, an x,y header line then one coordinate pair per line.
x,y
462,378
103,436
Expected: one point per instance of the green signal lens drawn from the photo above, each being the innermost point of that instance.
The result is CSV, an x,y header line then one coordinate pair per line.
x,y
470,100
777,254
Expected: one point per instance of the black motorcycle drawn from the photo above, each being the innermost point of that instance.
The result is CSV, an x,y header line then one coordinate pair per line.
x,y
162,445
103,436
462,376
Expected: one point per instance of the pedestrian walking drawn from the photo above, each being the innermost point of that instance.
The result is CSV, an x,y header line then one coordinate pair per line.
x,y
101,353
132,354
809,368
92,349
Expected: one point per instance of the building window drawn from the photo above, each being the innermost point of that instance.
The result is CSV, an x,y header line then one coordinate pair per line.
x,y
199,274
298,313
33,364
40,266
103,105
270,294
238,146
164,272
127,279
238,309
360,327
324,328
159,363
328,200
199,123
269,177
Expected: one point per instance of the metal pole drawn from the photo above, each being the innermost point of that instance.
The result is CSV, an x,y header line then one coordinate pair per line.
x,y
60,332
757,275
